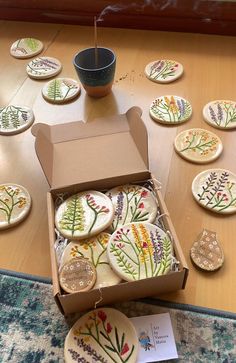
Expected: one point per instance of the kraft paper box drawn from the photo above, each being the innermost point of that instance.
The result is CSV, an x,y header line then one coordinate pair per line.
x,y
99,155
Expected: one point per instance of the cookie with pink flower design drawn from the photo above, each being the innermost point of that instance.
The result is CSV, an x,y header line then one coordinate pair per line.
x,y
84,215
132,203
164,70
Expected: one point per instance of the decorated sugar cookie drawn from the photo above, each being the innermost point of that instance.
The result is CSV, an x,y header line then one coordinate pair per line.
x,y
206,251
103,335
77,274
220,114
140,250
198,145
43,67
132,203
84,214
61,90
164,70
15,119
26,48
215,189
170,110
95,250
15,203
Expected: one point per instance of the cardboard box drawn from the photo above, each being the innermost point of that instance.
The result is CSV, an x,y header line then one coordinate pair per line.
x,y
99,155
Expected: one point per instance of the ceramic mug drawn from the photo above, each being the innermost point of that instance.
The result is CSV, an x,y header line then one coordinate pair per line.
x,y
96,70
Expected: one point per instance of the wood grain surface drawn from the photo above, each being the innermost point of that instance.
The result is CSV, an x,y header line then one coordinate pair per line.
x,y
209,73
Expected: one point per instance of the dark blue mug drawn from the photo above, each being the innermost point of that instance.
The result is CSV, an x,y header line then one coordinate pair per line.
x,y
96,69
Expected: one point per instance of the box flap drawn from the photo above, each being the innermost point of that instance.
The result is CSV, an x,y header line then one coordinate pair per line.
x,y
79,152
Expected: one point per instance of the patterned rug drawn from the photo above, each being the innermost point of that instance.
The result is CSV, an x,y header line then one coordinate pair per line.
x,y
32,330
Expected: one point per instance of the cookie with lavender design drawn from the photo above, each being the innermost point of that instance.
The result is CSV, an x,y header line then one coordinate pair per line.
x,y
26,48
102,335
61,90
43,67
198,145
215,189
15,119
15,204
84,215
220,114
132,203
170,110
95,250
140,250
164,70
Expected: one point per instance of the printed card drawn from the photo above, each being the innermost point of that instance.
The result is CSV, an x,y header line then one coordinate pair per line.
x,y
156,338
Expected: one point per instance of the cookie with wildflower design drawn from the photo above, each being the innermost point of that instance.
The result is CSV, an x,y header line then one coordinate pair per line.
x,y
15,119
164,70
102,335
170,110
132,203
61,90
43,67
95,250
15,204
220,114
215,189
26,48
140,250
84,215
198,145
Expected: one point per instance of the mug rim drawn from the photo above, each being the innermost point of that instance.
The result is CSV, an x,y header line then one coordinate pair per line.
x,y
94,69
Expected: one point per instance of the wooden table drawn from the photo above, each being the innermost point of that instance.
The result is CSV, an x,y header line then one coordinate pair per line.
x,y
209,65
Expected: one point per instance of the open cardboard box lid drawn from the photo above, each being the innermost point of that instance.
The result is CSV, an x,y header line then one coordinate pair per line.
x,y
78,152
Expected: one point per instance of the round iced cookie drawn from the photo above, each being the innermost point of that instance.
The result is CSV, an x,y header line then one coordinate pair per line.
x,y
76,275
198,145
170,110
220,114
15,203
26,48
206,252
15,119
84,215
140,250
105,334
164,70
95,250
60,90
132,203
43,67
215,189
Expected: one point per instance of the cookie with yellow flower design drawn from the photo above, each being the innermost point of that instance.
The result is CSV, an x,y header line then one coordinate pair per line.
x,y
198,145
15,203
95,250
102,335
170,110
140,250
61,90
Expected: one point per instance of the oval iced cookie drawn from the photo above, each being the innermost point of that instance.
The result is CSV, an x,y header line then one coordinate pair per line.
x,y
215,189
132,203
84,214
15,119
206,252
60,90
15,203
170,110
198,145
76,275
220,114
26,48
140,250
95,250
43,67
102,335
164,70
